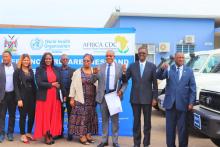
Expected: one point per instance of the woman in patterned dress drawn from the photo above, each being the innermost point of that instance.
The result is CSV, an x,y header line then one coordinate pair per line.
x,y
83,119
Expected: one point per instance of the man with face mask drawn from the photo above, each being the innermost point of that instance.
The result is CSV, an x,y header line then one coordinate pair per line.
x,y
8,100
180,96
143,94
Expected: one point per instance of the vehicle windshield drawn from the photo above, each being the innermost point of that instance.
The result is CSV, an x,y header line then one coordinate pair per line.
x,y
213,65
197,62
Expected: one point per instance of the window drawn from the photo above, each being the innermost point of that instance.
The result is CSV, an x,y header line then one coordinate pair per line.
x,y
185,48
213,65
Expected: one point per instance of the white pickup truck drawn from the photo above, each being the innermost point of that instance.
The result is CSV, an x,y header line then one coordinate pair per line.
x,y
206,115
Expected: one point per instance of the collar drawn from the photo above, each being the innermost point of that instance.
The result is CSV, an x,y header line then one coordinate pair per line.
x,y
180,67
112,64
142,62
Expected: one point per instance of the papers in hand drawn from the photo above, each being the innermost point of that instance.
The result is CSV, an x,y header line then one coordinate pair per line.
x,y
113,102
61,96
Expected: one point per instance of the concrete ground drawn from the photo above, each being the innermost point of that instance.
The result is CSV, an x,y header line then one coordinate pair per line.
x,y
157,138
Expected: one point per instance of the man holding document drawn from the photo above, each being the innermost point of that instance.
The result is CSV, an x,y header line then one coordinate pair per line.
x,y
110,76
143,95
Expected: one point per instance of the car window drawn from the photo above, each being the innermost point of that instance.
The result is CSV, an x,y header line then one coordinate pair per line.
x,y
213,65
198,62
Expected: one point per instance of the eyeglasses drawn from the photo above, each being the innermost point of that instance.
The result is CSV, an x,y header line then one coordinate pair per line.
x,y
109,56
141,53
86,60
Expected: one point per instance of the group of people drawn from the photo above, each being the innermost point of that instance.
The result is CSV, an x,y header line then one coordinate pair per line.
x,y
41,96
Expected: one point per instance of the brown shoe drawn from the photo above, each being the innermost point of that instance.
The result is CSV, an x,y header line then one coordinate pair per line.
x,y
90,138
83,140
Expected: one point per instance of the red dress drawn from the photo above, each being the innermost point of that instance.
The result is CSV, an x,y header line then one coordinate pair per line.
x,y
48,112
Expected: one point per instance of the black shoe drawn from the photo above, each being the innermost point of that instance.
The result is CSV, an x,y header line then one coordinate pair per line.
x,y
116,145
58,137
103,144
69,137
137,145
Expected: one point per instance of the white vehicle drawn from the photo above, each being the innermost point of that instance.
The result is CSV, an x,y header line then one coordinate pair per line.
x,y
206,115
206,67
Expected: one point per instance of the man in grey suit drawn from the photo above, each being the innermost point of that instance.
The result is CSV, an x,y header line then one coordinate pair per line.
x,y
7,96
109,76
143,95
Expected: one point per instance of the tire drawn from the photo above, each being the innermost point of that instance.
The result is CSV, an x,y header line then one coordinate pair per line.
x,y
216,141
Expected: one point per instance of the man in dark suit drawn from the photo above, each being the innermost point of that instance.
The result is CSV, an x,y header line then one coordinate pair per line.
x,y
109,79
180,96
143,94
66,73
8,100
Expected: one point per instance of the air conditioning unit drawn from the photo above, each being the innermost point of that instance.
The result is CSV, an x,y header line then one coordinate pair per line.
x,y
164,47
189,39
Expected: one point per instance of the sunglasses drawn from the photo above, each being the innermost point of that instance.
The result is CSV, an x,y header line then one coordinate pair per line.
x,y
109,56
141,53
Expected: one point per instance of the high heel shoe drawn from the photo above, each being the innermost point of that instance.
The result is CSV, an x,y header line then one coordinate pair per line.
x,y
51,139
24,139
29,137
47,139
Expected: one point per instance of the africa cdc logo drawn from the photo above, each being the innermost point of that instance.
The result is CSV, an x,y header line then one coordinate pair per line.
x,y
36,44
123,44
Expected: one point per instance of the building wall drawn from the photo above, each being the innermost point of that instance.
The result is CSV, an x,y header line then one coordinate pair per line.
x,y
155,30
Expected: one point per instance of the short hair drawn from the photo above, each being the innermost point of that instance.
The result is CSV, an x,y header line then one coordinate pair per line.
x,y
178,52
143,46
63,56
19,64
7,52
90,56
111,51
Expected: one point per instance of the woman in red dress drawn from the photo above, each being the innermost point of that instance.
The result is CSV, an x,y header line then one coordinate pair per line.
x,y
48,106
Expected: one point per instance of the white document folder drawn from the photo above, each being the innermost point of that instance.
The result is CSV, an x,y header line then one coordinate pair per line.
x,y
113,102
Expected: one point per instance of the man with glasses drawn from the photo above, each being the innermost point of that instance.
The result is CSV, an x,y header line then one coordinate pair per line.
x,y
66,75
143,95
110,78
8,100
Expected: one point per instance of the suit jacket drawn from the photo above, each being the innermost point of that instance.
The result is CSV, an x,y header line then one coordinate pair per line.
x,y
43,85
70,74
20,83
144,88
3,80
101,77
179,92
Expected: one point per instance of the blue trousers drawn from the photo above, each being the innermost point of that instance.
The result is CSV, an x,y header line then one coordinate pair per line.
x,y
176,118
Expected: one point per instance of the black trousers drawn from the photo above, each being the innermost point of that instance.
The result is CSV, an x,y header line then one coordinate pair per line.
x,y
9,104
69,109
137,108
28,109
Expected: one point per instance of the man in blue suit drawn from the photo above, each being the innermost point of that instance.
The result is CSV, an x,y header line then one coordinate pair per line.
x,y
180,96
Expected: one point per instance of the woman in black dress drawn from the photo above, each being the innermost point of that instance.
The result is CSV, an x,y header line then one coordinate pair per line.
x,y
25,90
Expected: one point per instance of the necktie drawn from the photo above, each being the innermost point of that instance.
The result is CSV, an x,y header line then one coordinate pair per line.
x,y
142,69
107,79
178,73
